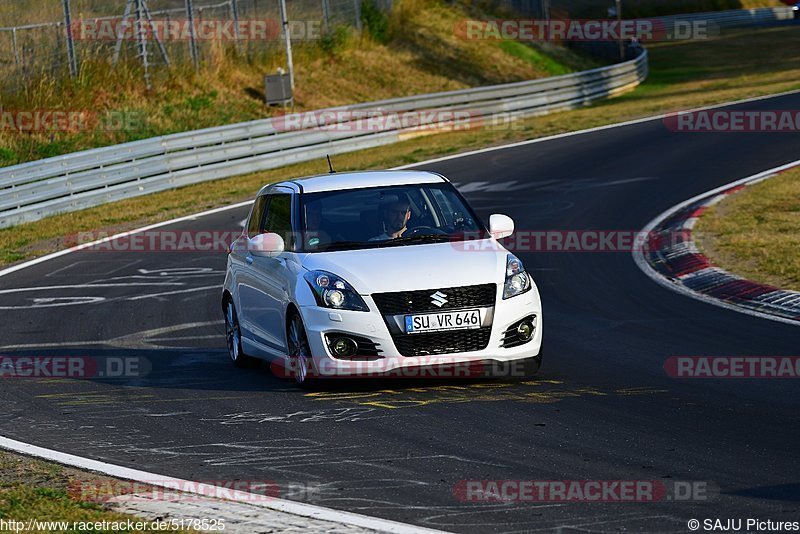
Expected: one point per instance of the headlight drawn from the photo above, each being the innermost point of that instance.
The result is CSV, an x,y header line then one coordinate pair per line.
x,y
517,280
333,292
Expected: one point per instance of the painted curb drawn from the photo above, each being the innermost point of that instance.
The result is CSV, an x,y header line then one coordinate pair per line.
x,y
673,259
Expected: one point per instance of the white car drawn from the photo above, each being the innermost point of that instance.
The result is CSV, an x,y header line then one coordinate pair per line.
x,y
384,273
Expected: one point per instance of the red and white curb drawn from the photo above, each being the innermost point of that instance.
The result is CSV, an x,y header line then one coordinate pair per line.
x,y
676,262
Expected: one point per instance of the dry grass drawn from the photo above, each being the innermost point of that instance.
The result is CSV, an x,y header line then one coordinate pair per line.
x,y
420,54
33,489
755,233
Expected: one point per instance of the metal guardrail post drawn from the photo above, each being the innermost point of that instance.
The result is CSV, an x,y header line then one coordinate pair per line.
x,y
73,62
192,35
326,14
235,16
287,41
14,45
118,46
357,10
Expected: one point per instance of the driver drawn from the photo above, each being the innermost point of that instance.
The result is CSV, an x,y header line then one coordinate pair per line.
x,y
395,212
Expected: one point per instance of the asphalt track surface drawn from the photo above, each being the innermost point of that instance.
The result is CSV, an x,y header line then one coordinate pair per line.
x,y
601,409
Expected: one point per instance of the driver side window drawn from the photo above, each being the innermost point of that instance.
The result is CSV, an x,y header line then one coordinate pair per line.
x,y
256,217
279,217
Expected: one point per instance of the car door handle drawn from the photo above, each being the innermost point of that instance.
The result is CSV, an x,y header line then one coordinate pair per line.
x,y
249,260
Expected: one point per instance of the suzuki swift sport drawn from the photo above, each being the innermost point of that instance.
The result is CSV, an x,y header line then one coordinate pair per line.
x,y
374,273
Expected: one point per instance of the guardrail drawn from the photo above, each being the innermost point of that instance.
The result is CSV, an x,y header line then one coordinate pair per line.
x,y
31,191
733,18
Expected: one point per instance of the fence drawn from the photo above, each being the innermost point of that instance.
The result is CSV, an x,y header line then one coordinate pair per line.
x,y
34,36
34,190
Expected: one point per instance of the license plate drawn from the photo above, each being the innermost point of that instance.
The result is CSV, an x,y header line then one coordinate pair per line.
x,y
436,322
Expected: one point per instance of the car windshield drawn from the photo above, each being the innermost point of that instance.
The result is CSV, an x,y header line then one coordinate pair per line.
x,y
386,216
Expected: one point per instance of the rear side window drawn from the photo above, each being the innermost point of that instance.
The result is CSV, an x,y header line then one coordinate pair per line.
x,y
279,217
256,217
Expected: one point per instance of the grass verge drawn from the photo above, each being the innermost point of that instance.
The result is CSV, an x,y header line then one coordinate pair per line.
x,y
755,232
32,489
683,75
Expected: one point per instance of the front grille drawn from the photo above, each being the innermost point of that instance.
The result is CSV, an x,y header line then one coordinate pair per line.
x,y
482,296
442,342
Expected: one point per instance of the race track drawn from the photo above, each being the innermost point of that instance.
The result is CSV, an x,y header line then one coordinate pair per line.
x,y
602,408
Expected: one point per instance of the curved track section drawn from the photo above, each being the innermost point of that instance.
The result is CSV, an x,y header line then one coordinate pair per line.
x,y
602,409
673,259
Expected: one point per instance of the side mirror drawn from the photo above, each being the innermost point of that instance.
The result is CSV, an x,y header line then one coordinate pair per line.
x,y
501,226
268,244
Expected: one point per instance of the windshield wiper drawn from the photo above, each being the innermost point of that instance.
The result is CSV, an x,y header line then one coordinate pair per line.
x,y
341,245
416,239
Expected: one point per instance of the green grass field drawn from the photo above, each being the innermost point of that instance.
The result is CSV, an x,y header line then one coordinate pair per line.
x,y
755,232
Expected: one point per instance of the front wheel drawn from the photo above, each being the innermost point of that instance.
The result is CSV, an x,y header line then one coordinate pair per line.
x,y
233,336
300,360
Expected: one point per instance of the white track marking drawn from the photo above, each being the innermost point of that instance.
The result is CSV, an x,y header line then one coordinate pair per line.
x,y
641,262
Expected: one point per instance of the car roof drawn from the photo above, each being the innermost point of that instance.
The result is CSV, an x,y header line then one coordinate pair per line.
x,y
361,179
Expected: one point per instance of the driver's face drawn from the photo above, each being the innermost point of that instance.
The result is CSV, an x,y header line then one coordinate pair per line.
x,y
396,216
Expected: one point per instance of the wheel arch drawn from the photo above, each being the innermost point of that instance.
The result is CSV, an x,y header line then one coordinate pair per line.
x,y
226,297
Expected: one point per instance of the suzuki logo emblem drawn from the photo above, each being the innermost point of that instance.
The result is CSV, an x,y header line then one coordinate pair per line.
x,y
439,299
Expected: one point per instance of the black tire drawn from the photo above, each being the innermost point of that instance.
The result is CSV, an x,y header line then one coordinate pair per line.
x,y
301,363
233,337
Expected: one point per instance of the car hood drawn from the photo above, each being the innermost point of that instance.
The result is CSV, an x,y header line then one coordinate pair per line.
x,y
413,267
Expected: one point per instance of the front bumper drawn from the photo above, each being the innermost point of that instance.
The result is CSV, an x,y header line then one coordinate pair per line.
x,y
320,322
